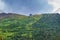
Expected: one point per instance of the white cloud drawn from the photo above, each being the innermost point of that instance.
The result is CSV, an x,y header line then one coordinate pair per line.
x,y
55,4
6,8
2,5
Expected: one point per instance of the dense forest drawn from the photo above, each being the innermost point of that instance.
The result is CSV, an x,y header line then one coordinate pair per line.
x,y
33,27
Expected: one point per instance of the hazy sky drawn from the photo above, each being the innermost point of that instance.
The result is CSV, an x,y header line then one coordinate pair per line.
x,y
29,6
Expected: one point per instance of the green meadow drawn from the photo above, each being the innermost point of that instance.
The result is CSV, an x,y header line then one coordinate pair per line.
x,y
35,27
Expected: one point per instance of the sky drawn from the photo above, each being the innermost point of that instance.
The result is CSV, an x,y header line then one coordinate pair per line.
x,y
29,6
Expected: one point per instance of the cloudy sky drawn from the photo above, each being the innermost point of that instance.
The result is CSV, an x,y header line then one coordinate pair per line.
x,y
29,6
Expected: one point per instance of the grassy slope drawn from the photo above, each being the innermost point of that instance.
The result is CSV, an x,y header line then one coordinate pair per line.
x,y
36,27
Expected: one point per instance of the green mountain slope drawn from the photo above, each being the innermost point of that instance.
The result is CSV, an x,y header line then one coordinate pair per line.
x,y
35,27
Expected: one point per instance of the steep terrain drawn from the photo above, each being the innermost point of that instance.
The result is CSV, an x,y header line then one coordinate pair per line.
x,y
35,27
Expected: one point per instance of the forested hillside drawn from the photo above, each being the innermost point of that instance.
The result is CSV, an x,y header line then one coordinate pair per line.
x,y
35,27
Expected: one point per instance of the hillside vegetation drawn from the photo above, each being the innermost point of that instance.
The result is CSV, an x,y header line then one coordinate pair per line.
x,y
35,27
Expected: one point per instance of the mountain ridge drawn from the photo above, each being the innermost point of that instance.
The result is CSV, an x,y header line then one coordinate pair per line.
x,y
34,27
